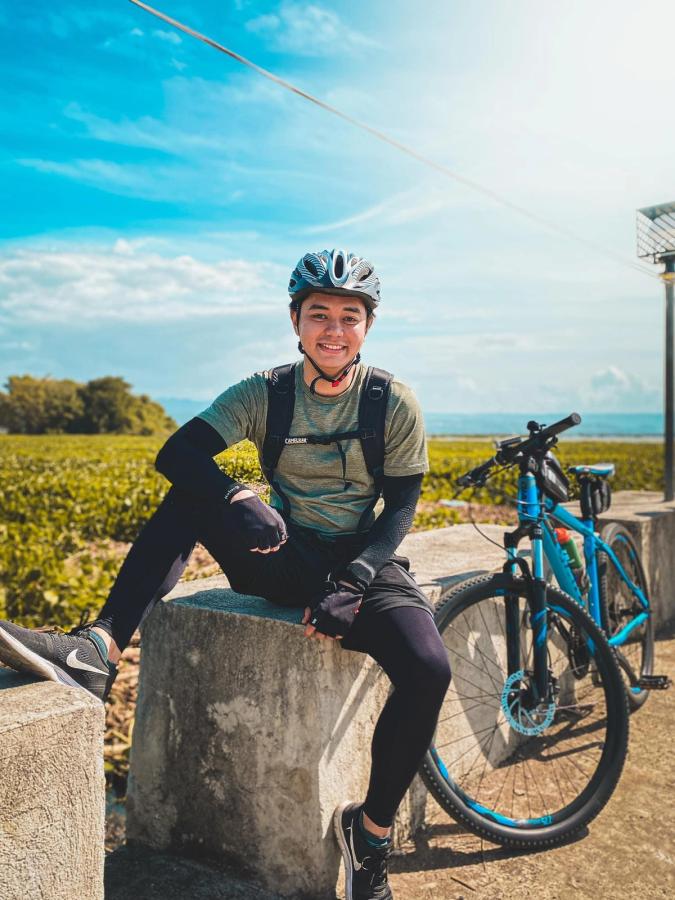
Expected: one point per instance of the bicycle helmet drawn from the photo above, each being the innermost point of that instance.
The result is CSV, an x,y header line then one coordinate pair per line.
x,y
335,272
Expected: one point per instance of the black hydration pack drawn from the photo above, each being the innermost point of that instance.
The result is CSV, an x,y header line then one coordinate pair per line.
x,y
370,430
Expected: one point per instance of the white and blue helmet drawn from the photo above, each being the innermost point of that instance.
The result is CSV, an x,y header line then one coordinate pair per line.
x,y
335,272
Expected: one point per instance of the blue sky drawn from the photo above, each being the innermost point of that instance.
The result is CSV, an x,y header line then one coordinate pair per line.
x,y
157,194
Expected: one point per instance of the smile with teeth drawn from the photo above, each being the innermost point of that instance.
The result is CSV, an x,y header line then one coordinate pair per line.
x,y
332,348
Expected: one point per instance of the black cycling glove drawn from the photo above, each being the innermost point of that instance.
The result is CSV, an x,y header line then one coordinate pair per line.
x,y
255,524
335,612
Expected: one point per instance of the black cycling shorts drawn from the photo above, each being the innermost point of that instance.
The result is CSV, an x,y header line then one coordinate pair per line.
x,y
294,574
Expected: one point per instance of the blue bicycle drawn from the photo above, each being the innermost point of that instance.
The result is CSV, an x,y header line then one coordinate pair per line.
x,y
533,733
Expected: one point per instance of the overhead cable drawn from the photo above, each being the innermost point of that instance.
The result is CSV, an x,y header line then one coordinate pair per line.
x,y
404,148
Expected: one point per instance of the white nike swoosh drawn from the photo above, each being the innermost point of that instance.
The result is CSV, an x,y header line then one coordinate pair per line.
x,y
357,864
76,663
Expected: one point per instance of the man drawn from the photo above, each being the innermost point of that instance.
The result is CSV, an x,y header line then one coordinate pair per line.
x,y
317,545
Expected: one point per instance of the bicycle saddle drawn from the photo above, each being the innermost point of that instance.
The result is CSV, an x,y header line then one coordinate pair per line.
x,y
604,470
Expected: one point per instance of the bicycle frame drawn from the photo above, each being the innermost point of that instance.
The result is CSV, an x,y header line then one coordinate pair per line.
x,y
557,559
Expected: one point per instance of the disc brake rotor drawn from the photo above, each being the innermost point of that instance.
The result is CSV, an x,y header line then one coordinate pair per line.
x,y
521,715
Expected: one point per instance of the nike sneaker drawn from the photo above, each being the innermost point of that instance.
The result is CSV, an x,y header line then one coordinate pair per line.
x,y
76,657
365,865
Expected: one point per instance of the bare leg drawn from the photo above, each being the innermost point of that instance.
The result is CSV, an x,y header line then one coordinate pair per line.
x,y
114,652
377,830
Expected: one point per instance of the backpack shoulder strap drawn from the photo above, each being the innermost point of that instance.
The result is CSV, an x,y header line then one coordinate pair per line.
x,y
280,406
372,412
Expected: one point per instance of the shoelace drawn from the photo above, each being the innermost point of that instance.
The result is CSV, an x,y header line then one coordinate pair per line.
x,y
57,629
84,618
378,869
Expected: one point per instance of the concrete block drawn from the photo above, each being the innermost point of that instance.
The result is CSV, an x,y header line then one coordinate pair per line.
x,y
651,522
247,736
52,790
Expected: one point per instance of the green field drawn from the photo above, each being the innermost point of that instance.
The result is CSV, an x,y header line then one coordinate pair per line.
x,y
63,497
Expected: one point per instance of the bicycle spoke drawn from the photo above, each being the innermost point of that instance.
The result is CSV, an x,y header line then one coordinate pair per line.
x,y
465,640
456,655
464,678
462,712
463,737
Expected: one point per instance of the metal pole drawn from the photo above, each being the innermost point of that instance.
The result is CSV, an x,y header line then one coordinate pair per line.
x,y
669,278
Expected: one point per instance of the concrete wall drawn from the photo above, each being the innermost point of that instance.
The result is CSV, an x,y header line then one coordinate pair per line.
x,y
651,522
52,791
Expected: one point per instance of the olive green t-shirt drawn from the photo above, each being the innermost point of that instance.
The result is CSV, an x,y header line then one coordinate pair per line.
x,y
311,475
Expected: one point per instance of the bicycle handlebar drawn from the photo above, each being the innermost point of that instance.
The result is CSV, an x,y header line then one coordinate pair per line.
x,y
539,438
568,422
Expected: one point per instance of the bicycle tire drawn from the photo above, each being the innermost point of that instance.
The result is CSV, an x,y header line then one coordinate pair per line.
x,y
452,788
638,658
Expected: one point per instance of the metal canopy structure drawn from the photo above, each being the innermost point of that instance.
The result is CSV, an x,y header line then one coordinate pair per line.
x,y
656,232
656,241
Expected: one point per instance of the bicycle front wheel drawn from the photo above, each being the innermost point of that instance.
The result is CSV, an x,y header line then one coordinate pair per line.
x,y
517,772
619,606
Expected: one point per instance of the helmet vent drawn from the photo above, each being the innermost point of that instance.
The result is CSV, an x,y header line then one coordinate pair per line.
x,y
335,271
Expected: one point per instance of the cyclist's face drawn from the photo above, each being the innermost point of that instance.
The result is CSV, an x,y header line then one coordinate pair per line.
x,y
329,321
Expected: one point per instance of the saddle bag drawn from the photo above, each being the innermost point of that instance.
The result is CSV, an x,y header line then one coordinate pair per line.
x,y
595,496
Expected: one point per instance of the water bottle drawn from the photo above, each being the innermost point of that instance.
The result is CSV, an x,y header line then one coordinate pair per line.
x,y
568,544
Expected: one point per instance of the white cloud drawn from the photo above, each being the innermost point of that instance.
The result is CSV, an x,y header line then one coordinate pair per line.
x,y
16,345
125,284
308,29
174,181
67,20
611,389
145,131
397,210
263,24
98,172
169,36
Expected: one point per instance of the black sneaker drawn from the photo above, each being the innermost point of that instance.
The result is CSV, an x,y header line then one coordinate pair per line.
x,y
71,657
365,865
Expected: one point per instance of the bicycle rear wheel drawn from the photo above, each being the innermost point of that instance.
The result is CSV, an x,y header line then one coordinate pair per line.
x,y
521,776
618,606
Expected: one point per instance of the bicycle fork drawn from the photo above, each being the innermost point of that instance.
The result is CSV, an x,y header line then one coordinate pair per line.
x,y
530,526
536,601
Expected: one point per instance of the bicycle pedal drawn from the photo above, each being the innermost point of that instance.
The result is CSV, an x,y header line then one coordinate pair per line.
x,y
654,682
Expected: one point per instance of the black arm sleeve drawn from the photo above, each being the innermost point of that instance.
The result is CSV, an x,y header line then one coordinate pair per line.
x,y
400,499
186,459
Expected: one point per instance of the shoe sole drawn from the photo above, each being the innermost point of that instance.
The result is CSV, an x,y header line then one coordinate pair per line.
x,y
346,853
19,657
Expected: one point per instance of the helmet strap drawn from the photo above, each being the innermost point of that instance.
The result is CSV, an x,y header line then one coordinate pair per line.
x,y
335,382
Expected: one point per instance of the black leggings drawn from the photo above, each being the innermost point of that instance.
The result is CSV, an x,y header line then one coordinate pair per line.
x,y
403,640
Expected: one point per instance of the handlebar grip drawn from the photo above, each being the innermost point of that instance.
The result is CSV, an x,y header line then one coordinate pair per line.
x,y
476,474
568,422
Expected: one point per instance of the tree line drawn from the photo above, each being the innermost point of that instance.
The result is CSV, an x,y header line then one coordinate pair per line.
x,y
62,406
